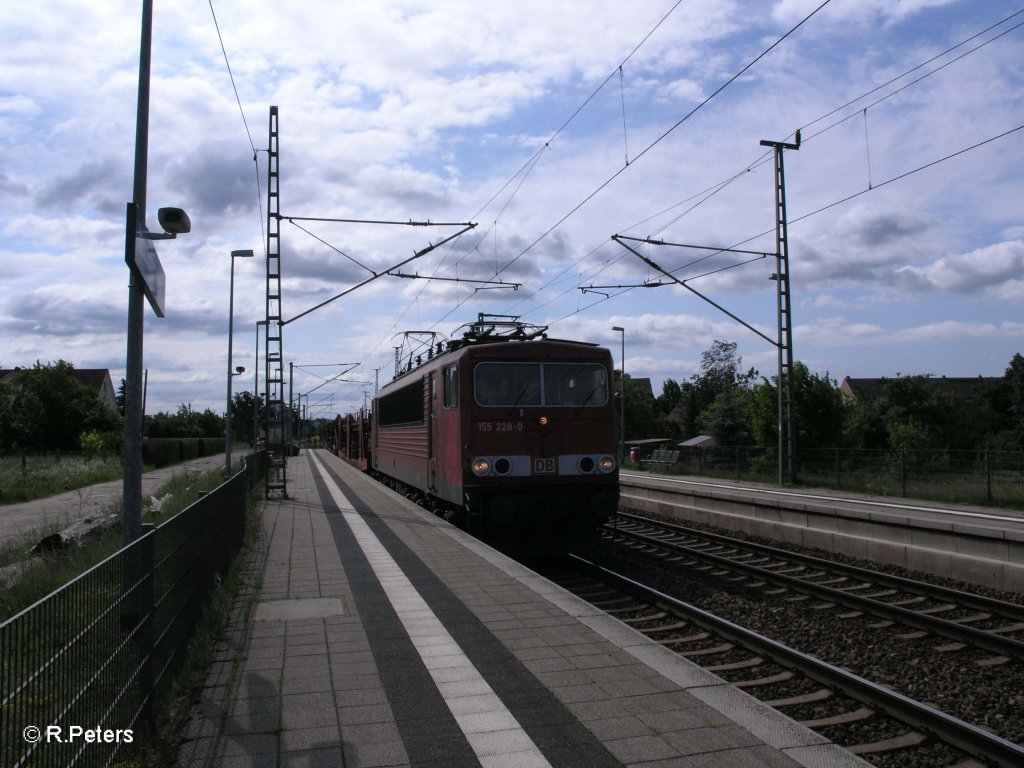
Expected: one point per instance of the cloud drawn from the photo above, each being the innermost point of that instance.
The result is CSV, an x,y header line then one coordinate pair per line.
x,y
996,269
953,330
213,180
61,311
99,179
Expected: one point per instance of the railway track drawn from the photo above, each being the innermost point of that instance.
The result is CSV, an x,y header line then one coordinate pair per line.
x,y
963,618
871,720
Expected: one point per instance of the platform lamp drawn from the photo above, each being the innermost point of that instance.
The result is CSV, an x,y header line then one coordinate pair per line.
x,y
231,373
622,378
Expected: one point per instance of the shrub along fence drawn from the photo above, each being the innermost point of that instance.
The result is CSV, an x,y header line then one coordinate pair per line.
x,y
82,669
965,476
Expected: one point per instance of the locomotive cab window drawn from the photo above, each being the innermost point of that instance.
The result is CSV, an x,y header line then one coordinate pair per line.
x,y
533,384
451,386
575,384
508,384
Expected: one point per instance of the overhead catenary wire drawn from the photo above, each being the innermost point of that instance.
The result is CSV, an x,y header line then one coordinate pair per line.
x,y
668,132
765,157
245,122
656,141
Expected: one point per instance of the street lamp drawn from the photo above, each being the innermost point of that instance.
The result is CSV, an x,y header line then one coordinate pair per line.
x,y
240,369
622,378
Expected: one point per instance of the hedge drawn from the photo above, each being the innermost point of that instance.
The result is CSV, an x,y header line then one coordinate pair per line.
x,y
163,451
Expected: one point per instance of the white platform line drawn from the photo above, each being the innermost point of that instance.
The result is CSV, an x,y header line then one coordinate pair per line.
x,y
492,731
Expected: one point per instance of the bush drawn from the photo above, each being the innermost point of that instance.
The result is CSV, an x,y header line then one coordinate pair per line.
x,y
90,444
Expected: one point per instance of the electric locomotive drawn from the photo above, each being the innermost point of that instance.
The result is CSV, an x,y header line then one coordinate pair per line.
x,y
505,432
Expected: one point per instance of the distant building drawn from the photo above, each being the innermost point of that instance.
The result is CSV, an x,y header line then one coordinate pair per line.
x,y
642,386
97,379
869,389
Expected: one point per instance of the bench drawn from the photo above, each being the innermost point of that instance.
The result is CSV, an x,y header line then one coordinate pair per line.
x,y
663,457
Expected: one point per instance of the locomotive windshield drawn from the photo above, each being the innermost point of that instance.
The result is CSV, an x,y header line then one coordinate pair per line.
x,y
522,384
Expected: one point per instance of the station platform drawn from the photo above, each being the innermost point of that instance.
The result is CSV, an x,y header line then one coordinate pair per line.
x,y
372,633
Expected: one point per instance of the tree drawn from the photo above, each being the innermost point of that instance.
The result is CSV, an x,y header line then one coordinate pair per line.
x,y
46,408
818,407
640,418
243,409
721,371
911,412
727,419
185,423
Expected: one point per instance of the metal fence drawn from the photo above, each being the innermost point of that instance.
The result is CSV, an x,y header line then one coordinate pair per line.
x,y
976,476
82,669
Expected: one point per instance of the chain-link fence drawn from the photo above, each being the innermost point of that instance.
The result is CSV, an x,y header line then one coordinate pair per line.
x,y
81,670
978,476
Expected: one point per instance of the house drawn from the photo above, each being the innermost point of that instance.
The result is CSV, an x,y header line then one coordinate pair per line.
x,y
642,386
97,379
869,389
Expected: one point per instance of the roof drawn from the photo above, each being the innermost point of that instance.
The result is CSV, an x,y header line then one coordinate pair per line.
x,y
97,379
698,441
643,385
965,386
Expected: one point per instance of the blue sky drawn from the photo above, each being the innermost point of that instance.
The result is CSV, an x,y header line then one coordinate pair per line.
x,y
517,116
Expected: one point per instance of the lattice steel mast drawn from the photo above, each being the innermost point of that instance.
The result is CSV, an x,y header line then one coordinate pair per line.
x,y
277,438
786,419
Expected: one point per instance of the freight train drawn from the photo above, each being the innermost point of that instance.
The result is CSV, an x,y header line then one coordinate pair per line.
x,y
505,432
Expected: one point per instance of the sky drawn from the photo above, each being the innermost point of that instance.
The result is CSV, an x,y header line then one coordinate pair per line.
x,y
551,126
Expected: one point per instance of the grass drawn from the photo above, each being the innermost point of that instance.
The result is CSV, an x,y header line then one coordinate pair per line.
x,y
187,677
24,478
47,573
200,652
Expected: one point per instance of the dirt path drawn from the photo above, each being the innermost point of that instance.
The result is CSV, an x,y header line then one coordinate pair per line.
x,y
22,521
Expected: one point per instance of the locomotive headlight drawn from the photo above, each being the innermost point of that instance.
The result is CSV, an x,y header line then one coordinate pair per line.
x,y
480,467
606,463
543,421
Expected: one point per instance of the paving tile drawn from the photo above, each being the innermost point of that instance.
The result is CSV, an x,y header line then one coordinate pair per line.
x,y
307,690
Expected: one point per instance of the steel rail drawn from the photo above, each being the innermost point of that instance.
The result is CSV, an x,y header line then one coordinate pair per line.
x,y
967,599
946,728
1003,646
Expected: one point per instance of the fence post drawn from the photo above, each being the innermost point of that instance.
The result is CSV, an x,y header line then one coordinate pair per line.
x,y
988,474
903,472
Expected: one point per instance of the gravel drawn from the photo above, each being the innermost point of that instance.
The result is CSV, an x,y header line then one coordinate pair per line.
x,y
991,697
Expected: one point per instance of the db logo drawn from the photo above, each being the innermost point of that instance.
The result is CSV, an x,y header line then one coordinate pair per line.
x,y
544,466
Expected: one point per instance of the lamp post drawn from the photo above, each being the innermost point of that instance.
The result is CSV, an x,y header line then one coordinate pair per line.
x,y
240,369
622,378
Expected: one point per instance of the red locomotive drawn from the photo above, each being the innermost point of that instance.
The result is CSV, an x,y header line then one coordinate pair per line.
x,y
505,432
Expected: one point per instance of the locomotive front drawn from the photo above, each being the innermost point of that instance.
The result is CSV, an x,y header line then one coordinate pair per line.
x,y
539,458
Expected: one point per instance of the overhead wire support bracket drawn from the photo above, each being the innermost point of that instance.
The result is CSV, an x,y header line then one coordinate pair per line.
x,y
422,252
407,223
483,283
595,288
650,262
